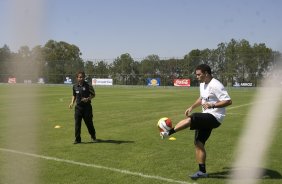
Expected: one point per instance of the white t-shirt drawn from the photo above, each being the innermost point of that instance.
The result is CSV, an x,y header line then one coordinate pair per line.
x,y
213,92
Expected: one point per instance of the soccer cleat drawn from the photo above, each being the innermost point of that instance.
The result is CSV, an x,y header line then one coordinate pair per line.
x,y
199,174
164,134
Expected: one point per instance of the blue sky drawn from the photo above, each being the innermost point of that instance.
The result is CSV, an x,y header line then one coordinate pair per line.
x,y
105,29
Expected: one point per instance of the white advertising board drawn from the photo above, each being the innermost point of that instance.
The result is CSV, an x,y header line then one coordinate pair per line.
x,y
105,82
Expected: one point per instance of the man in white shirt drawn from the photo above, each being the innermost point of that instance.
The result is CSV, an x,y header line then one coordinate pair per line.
x,y
213,99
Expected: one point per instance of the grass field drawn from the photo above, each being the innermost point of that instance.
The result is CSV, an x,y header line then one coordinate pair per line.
x,y
130,150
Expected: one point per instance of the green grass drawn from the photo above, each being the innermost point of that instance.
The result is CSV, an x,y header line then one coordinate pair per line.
x,y
125,120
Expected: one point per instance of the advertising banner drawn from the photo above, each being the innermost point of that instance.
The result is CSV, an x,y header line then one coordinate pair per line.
x,y
153,81
68,81
41,80
247,84
244,84
105,82
182,82
12,80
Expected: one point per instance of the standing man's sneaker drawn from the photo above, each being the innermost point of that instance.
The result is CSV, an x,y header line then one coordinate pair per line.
x,y
93,139
199,174
76,142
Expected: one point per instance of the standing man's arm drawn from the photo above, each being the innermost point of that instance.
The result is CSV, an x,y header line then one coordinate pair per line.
x,y
73,98
72,101
92,92
91,95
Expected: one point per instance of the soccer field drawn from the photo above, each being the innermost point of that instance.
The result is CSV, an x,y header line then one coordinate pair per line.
x,y
130,150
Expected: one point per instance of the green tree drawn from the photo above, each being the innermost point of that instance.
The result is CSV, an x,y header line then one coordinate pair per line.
x,y
263,58
89,68
62,59
245,61
230,68
171,69
5,55
122,68
20,65
38,61
193,59
149,65
101,69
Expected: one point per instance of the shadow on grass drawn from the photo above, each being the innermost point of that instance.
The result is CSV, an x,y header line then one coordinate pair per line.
x,y
226,173
108,141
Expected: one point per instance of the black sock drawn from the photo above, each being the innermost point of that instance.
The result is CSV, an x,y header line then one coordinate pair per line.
x,y
202,167
171,131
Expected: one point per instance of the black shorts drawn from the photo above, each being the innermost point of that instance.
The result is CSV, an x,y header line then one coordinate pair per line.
x,y
203,123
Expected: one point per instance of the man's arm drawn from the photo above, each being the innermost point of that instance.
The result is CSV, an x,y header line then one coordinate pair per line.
x,y
197,103
223,103
92,92
219,104
72,101
91,95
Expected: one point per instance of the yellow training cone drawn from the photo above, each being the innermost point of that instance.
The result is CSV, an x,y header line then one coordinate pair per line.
x,y
57,126
172,139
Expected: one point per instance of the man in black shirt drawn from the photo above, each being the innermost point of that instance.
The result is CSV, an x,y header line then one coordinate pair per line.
x,y
82,94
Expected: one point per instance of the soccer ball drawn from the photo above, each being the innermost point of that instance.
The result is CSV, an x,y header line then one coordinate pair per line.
x,y
164,124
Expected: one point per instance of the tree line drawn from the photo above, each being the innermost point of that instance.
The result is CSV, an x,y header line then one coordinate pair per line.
x,y
235,61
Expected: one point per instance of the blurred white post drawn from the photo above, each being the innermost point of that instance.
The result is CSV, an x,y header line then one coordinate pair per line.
x,y
24,24
259,131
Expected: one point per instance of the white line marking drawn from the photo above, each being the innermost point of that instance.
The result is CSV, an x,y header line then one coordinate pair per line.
x,y
96,166
247,104
238,106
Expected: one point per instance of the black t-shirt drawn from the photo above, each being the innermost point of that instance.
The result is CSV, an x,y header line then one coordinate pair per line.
x,y
82,91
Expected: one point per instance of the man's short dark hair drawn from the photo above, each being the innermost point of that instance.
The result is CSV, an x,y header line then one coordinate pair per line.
x,y
80,72
204,68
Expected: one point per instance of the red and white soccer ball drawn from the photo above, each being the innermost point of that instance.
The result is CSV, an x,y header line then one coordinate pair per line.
x,y
164,124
